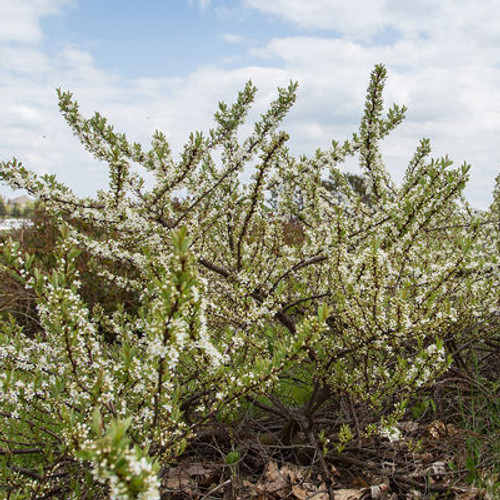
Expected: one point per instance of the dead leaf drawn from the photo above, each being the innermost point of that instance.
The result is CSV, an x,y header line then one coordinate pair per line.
x,y
359,482
440,430
186,478
273,482
293,473
334,470
273,474
436,469
473,494
347,494
176,479
197,470
408,426
202,474
424,457
299,492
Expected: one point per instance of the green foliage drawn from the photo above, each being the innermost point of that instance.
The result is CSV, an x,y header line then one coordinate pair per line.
x,y
422,406
232,458
479,414
129,470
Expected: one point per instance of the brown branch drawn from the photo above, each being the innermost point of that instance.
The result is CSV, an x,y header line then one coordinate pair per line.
x,y
255,196
299,265
34,425
20,451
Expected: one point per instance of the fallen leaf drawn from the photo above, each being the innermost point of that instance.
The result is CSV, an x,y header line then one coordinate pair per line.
x,y
182,478
424,457
334,470
439,430
474,494
408,426
299,492
359,482
176,479
348,494
273,482
293,473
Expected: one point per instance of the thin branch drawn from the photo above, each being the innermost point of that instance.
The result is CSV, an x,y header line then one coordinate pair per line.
x,y
21,451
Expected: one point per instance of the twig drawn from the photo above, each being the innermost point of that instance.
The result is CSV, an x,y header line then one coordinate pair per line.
x,y
20,451
217,488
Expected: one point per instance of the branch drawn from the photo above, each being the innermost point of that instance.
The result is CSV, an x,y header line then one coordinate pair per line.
x,y
20,451
299,265
306,299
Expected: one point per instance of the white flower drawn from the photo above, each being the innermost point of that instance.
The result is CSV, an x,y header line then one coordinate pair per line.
x,y
392,433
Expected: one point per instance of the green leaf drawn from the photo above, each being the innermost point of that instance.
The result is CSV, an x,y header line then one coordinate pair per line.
x,y
232,458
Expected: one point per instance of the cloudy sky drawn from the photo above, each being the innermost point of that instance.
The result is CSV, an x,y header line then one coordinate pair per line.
x,y
160,64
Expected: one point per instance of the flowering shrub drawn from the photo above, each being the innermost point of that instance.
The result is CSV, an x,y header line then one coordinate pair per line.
x,y
367,304
53,384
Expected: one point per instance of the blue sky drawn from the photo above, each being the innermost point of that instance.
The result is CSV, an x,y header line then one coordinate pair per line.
x,y
155,38
166,64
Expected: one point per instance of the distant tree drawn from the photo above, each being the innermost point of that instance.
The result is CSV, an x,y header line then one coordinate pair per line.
x,y
356,181
3,208
15,211
28,210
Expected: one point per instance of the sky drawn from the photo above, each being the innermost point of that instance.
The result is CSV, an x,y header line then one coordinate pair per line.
x,y
165,64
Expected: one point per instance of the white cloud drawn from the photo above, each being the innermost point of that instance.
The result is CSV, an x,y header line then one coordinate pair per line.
x,y
232,38
355,17
20,19
202,4
361,20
